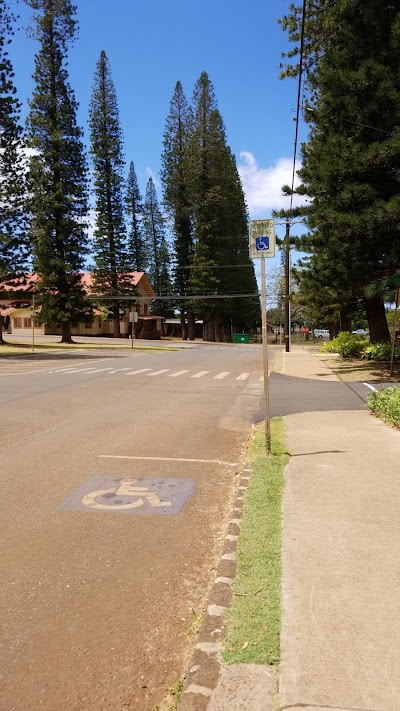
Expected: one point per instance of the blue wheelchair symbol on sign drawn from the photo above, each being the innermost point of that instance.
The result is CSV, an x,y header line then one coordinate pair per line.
x,y
262,244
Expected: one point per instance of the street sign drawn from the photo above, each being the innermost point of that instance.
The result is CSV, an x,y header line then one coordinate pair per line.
x,y
262,239
304,329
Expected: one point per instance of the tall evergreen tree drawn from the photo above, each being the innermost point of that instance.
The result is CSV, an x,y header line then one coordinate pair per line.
x,y
350,161
221,224
174,177
13,246
110,241
137,251
159,259
57,173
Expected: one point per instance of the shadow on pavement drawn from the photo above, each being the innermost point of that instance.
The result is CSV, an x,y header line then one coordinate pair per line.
x,y
290,395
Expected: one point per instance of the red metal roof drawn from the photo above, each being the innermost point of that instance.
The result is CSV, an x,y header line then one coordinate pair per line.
x,y
27,283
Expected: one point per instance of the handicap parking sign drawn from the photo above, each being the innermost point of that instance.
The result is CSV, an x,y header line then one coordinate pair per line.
x,y
262,244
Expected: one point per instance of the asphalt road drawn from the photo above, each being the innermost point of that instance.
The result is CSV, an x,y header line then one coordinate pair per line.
x,y
117,475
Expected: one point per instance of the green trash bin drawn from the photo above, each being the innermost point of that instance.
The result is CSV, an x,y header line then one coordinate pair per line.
x,y
241,338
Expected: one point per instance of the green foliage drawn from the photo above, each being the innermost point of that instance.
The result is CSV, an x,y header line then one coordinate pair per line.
x,y
159,260
348,345
137,252
386,405
57,171
111,259
253,621
13,243
380,352
350,161
220,220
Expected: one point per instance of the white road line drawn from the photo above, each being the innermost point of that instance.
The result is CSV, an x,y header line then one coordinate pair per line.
x,y
118,370
175,375
243,376
371,387
169,459
94,360
220,375
136,372
158,372
200,374
99,370
80,370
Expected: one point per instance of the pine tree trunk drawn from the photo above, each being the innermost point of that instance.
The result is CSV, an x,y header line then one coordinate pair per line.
x,y
191,326
117,329
184,325
66,332
378,328
333,329
205,329
218,331
345,320
227,332
2,341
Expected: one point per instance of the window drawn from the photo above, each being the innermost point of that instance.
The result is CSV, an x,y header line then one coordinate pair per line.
x,y
145,309
17,322
27,323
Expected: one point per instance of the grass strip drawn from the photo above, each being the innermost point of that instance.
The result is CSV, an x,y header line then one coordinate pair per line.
x,y
386,405
26,348
254,619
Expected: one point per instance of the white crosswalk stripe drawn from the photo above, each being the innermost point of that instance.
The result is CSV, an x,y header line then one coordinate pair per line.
x,y
136,372
200,374
158,372
176,375
221,375
243,376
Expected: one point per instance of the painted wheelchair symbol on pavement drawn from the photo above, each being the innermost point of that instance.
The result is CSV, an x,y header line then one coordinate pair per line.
x,y
127,489
147,495
262,244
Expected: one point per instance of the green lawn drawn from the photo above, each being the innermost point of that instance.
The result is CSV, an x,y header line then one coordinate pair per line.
x,y
254,619
25,347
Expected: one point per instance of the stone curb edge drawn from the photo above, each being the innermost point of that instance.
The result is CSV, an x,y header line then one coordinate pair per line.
x,y
204,668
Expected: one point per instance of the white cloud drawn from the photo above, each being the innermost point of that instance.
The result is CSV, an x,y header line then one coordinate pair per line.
x,y
263,186
151,174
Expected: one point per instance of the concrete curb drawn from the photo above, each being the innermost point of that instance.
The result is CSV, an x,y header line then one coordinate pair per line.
x,y
205,665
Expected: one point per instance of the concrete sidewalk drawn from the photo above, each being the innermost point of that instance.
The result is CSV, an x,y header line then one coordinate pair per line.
x,y
341,558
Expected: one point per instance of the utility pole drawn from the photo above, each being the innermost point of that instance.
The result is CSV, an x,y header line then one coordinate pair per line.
x,y
287,288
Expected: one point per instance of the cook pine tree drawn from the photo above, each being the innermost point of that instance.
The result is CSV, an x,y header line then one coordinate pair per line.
x,y
13,243
350,160
137,251
221,264
177,199
57,176
159,257
112,265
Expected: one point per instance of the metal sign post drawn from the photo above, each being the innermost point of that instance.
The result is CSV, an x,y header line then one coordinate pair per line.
x,y
262,246
33,323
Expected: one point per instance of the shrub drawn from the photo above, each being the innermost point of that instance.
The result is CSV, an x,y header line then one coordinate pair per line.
x,y
386,405
380,351
348,345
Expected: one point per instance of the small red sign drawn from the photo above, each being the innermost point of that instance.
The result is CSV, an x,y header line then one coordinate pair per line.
x,y
304,329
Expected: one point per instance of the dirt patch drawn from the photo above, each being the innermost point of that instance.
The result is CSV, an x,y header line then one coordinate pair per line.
x,y
353,370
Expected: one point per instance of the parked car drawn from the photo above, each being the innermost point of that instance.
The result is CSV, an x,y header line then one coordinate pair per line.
x,y
361,332
321,333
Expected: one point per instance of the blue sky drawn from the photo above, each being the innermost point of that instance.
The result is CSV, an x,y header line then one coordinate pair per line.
x,y
151,45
